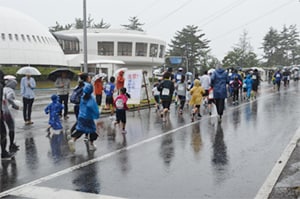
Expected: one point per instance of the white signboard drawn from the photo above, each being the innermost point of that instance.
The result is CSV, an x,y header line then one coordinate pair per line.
x,y
133,84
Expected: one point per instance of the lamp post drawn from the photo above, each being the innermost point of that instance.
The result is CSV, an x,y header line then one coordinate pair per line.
x,y
153,52
85,58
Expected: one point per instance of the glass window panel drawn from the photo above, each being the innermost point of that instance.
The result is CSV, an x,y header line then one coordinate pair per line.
x,y
141,49
106,48
124,49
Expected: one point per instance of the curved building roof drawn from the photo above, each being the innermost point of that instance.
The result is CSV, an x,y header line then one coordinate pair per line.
x,y
23,40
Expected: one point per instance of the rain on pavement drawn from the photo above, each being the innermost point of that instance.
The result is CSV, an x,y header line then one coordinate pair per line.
x,y
176,159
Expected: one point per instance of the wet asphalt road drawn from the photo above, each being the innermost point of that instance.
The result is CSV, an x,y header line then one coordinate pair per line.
x,y
176,159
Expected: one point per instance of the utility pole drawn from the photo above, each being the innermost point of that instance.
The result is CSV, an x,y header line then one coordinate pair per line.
x,y
85,58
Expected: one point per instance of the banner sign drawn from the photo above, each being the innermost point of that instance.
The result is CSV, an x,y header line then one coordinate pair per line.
x,y
133,84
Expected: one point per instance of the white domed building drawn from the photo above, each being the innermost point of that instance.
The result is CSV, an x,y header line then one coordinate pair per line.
x,y
110,49
24,41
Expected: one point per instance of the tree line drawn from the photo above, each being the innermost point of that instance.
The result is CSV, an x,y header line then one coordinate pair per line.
x,y
280,47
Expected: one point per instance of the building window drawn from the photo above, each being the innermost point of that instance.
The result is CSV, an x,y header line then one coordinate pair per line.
x,y
33,37
3,36
43,39
38,38
106,48
23,37
10,36
161,51
17,37
141,49
153,50
124,49
28,38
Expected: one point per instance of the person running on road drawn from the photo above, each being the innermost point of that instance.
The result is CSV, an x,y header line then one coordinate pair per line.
x,y
109,90
219,81
256,82
9,97
88,112
249,83
205,83
278,77
121,107
54,109
166,89
181,88
156,94
197,93
235,84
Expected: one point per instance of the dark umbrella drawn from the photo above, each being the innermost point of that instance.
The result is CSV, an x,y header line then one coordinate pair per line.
x,y
53,75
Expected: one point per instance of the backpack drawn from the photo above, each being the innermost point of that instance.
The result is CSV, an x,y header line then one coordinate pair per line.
x,y
76,95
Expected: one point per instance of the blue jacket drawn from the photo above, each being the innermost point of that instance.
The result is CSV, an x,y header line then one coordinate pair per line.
x,y
248,82
53,109
219,80
88,111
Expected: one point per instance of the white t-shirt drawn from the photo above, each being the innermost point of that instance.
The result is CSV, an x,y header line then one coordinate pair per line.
x,y
205,81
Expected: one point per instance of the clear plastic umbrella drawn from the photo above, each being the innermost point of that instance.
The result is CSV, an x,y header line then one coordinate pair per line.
x,y
28,70
98,76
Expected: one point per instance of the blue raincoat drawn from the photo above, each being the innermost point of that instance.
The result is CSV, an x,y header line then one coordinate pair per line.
x,y
53,109
219,80
88,112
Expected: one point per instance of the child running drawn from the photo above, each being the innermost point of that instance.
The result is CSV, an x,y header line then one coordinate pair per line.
x,y
197,93
156,94
121,106
88,112
109,90
54,109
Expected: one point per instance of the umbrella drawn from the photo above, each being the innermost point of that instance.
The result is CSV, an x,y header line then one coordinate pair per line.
x,y
10,77
98,76
57,73
119,70
28,70
189,73
212,70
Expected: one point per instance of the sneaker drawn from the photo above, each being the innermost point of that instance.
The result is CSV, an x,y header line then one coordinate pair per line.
x,y
124,131
199,115
92,147
66,117
30,122
13,148
71,144
6,156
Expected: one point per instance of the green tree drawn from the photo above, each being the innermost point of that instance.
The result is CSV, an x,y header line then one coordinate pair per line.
x,y
134,24
242,54
59,27
102,25
281,48
190,44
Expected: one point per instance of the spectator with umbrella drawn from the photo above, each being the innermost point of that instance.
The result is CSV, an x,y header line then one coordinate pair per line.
x,y
27,86
62,79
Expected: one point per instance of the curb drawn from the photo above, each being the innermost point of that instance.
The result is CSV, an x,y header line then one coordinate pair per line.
x,y
267,187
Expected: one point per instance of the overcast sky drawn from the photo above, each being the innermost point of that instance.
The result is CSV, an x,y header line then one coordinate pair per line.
x,y
222,21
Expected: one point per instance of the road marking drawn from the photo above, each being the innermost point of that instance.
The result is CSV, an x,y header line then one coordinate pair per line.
x,y
84,164
271,180
46,192
108,155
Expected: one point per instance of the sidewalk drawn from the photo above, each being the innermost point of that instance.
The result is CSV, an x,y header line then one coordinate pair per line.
x,y
284,179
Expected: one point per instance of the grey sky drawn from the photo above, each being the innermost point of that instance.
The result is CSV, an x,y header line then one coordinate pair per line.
x,y
223,21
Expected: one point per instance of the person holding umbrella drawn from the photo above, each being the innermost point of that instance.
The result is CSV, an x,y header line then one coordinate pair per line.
x,y
27,85
62,84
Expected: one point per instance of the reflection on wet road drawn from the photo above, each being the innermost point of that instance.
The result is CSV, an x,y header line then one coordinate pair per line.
x,y
175,159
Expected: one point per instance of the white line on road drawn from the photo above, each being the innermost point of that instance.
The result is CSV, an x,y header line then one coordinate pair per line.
x,y
84,164
108,155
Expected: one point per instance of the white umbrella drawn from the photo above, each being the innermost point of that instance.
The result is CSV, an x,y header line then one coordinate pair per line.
x,y
212,70
98,76
120,69
28,70
10,77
